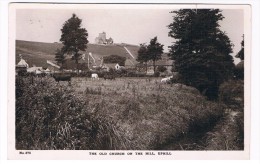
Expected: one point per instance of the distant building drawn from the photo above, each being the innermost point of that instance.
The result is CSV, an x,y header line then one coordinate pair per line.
x,y
35,70
101,39
22,65
109,66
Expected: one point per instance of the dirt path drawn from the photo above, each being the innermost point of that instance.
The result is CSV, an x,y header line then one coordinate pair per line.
x,y
197,139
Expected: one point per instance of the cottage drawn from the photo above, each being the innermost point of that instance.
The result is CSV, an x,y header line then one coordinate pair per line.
x,y
36,70
21,66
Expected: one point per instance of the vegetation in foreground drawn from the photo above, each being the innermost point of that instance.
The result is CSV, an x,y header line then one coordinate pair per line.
x,y
125,114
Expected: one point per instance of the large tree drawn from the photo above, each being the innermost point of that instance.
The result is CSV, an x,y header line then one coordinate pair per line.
x,y
74,38
239,70
143,56
201,50
60,58
240,54
154,50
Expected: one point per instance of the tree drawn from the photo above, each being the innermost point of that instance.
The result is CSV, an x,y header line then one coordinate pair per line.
x,y
201,50
74,38
60,58
240,54
154,50
239,70
143,56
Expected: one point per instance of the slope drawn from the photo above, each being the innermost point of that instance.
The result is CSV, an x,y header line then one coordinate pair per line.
x,y
36,53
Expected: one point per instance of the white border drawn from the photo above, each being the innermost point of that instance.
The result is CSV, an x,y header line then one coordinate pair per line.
x,y
254,82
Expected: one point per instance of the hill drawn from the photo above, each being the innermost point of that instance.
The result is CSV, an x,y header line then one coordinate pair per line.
x,y
36,53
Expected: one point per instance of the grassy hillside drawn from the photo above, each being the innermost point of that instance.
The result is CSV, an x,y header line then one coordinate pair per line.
x,y
37,52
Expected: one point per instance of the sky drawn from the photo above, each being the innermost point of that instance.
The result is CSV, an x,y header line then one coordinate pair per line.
x,y
133,26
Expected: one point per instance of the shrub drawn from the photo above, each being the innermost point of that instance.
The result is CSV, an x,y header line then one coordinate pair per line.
x,y
156,74
232,94
115,59
161,68
239,71
22,72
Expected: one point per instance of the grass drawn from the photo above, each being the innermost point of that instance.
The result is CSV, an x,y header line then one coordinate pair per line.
x,y
228,134
121,114
232,94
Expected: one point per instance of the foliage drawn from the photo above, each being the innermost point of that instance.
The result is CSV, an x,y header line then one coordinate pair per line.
x,y
129,113
154,50
115,59
239,69
228,134
161,68
74,38
60,58
201,51
22,72
143,56
156,74
51,117
232,94
240,54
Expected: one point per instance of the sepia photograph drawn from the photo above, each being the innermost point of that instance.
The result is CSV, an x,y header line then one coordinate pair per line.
x,y
116,79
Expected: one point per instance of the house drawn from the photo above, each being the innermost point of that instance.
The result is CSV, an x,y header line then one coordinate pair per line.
x,y
165,63
108,66
52,66
47,71
21,65
36,70
117,66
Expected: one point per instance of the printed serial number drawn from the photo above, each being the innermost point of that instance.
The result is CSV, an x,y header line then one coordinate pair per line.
x,y
26,152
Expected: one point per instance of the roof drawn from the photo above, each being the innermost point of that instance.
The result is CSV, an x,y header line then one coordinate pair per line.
x,y
22,63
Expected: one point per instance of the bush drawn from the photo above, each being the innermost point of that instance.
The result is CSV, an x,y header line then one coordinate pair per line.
x,y
239,71
232,94
156,74
115,59
22,72
161,68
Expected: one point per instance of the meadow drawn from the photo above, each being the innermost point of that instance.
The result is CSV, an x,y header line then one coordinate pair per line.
x,y
124,114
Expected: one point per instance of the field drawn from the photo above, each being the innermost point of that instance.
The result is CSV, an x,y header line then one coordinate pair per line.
x,y
123,114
